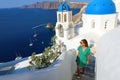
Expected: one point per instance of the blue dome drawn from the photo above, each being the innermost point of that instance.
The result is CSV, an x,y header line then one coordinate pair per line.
x,y
100,7
63,6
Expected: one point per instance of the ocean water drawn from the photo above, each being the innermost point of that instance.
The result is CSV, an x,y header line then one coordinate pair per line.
x,y
17,27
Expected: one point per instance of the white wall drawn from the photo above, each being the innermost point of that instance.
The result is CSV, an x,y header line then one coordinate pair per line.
x,y
11,63
117,3
68,16
62,69
108,56
99,22
67,25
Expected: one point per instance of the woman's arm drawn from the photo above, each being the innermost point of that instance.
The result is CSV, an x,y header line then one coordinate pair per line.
x,y
77,53
88,61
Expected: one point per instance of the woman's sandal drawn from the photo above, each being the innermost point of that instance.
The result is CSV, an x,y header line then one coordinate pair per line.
x,y
78,77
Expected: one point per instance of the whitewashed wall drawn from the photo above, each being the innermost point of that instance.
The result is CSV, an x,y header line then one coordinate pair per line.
x,y
99,23
117,3
11,63
62,69
68,30
108,56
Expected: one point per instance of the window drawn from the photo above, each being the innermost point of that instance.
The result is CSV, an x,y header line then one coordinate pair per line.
x,y
106,25
59,18
65,18
93,24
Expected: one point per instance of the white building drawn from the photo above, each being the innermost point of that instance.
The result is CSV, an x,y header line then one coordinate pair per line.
x,y
64,26
100,16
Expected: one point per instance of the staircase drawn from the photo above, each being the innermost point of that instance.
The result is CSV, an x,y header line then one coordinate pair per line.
x,y
90,71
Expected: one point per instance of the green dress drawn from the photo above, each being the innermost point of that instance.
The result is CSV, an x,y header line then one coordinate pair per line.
x,y
82,57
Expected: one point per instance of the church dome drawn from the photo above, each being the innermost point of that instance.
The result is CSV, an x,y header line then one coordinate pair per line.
x,y
63,6
100,7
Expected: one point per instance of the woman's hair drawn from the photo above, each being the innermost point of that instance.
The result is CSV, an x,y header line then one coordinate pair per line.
x,y
85,42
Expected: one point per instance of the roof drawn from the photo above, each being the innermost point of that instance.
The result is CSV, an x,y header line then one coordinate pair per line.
x,y
63,6
100,7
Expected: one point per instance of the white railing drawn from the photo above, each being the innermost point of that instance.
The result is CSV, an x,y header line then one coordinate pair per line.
x,y
62,69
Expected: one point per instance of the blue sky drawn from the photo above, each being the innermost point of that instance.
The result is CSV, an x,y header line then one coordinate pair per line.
x,y
17,3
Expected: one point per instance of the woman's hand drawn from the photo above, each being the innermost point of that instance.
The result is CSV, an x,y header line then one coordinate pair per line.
x,y
77,53
88,62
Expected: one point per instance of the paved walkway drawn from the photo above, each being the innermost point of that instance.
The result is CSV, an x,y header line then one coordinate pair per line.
x,y
90,71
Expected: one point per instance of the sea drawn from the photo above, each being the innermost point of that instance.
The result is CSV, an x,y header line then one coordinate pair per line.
x,y
23,31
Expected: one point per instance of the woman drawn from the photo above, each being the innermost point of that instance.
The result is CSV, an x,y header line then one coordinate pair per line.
x,y
83,56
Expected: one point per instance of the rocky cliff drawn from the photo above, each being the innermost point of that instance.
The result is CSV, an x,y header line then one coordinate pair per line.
x,y
77,18
53,5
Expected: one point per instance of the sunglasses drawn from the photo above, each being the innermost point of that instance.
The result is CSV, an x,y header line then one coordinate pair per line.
x,y
81,42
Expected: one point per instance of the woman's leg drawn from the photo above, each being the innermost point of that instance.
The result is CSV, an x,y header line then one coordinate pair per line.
x,y
78,70
83,70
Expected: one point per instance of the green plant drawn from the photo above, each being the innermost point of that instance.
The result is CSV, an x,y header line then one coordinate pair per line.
x,y
53,39
48,56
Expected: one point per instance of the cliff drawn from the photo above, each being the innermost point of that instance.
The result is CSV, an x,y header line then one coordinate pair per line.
x,y
77,18
52,5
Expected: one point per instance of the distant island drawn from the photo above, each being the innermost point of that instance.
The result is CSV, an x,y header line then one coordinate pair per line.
x,y
53,5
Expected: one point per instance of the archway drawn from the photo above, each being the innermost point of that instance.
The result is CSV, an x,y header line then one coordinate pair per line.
x,y
59,18
60,30
65,18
